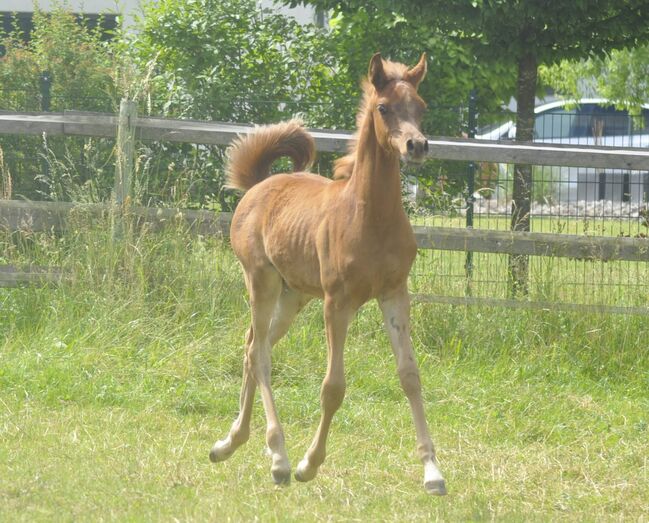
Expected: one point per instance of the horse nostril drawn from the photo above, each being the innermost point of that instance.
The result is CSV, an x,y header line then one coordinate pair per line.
x,y
425,146
410,145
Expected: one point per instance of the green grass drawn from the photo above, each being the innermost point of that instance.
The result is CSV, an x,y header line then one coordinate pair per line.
x,y
115,384
592,226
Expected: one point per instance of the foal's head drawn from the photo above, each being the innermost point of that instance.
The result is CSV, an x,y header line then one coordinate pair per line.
x,y
397,108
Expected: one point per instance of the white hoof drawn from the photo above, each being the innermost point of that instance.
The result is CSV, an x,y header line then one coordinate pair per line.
x,y
304,471
433,480
436,488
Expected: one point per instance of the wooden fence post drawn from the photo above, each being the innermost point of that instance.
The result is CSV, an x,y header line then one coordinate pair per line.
x,y
125,151
124,162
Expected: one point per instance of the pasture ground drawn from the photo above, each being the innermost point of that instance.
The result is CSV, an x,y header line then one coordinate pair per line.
x,y
115,384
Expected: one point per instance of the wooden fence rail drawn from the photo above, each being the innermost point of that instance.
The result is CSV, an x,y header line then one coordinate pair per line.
x,y
12,276
74,123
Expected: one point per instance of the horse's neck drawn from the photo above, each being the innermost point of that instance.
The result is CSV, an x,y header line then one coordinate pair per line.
x,y
375,182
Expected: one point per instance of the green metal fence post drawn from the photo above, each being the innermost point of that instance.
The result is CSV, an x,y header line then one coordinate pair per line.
x,y
45,83
470,187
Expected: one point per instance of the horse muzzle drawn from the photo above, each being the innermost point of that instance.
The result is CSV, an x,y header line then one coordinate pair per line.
x,y
416,150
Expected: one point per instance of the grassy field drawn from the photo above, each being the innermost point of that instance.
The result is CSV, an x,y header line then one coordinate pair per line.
x,y
591,226
115,384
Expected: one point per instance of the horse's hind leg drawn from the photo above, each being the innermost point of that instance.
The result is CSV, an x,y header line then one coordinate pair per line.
x,y
289,304
240,430
265,287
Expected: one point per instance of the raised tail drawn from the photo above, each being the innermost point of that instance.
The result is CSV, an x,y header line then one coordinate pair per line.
x,y
250,156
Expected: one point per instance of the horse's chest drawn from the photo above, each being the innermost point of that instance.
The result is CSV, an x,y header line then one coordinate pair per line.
x,y
370,266
390,261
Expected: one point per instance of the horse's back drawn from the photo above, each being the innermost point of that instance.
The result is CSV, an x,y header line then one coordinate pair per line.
x,y
277,196
277,222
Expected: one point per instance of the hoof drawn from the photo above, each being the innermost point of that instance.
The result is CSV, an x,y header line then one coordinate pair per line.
x,y
436,487
305,472
281,476
220,452
280,470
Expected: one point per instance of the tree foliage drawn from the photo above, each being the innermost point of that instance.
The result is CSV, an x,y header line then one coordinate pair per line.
x,y
80,67
621,76
229,60
76,57
552,29
499,43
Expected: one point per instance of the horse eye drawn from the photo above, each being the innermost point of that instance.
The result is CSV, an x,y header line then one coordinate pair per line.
x,y
382,109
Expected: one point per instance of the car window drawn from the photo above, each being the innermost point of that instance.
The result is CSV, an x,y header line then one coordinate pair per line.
x,y
641,123
554,124
588,121
613,122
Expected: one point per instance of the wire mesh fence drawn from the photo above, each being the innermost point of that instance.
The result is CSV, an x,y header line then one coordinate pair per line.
x,y
565,200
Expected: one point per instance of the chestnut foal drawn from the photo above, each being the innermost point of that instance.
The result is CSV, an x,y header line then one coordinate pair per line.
x,y
300,236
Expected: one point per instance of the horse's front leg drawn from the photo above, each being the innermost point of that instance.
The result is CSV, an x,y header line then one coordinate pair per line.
x,y
396,316
337,318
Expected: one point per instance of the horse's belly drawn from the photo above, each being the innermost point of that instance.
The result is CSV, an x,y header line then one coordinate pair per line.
x,y
294,256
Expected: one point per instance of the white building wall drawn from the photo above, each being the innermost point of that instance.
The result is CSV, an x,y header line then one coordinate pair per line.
x,y
125,7
303,14
129,8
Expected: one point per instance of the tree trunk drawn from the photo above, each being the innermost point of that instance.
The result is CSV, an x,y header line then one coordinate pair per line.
x,y
522,190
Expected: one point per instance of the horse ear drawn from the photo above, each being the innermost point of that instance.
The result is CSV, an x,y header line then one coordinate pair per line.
x,y
417,73
376,73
